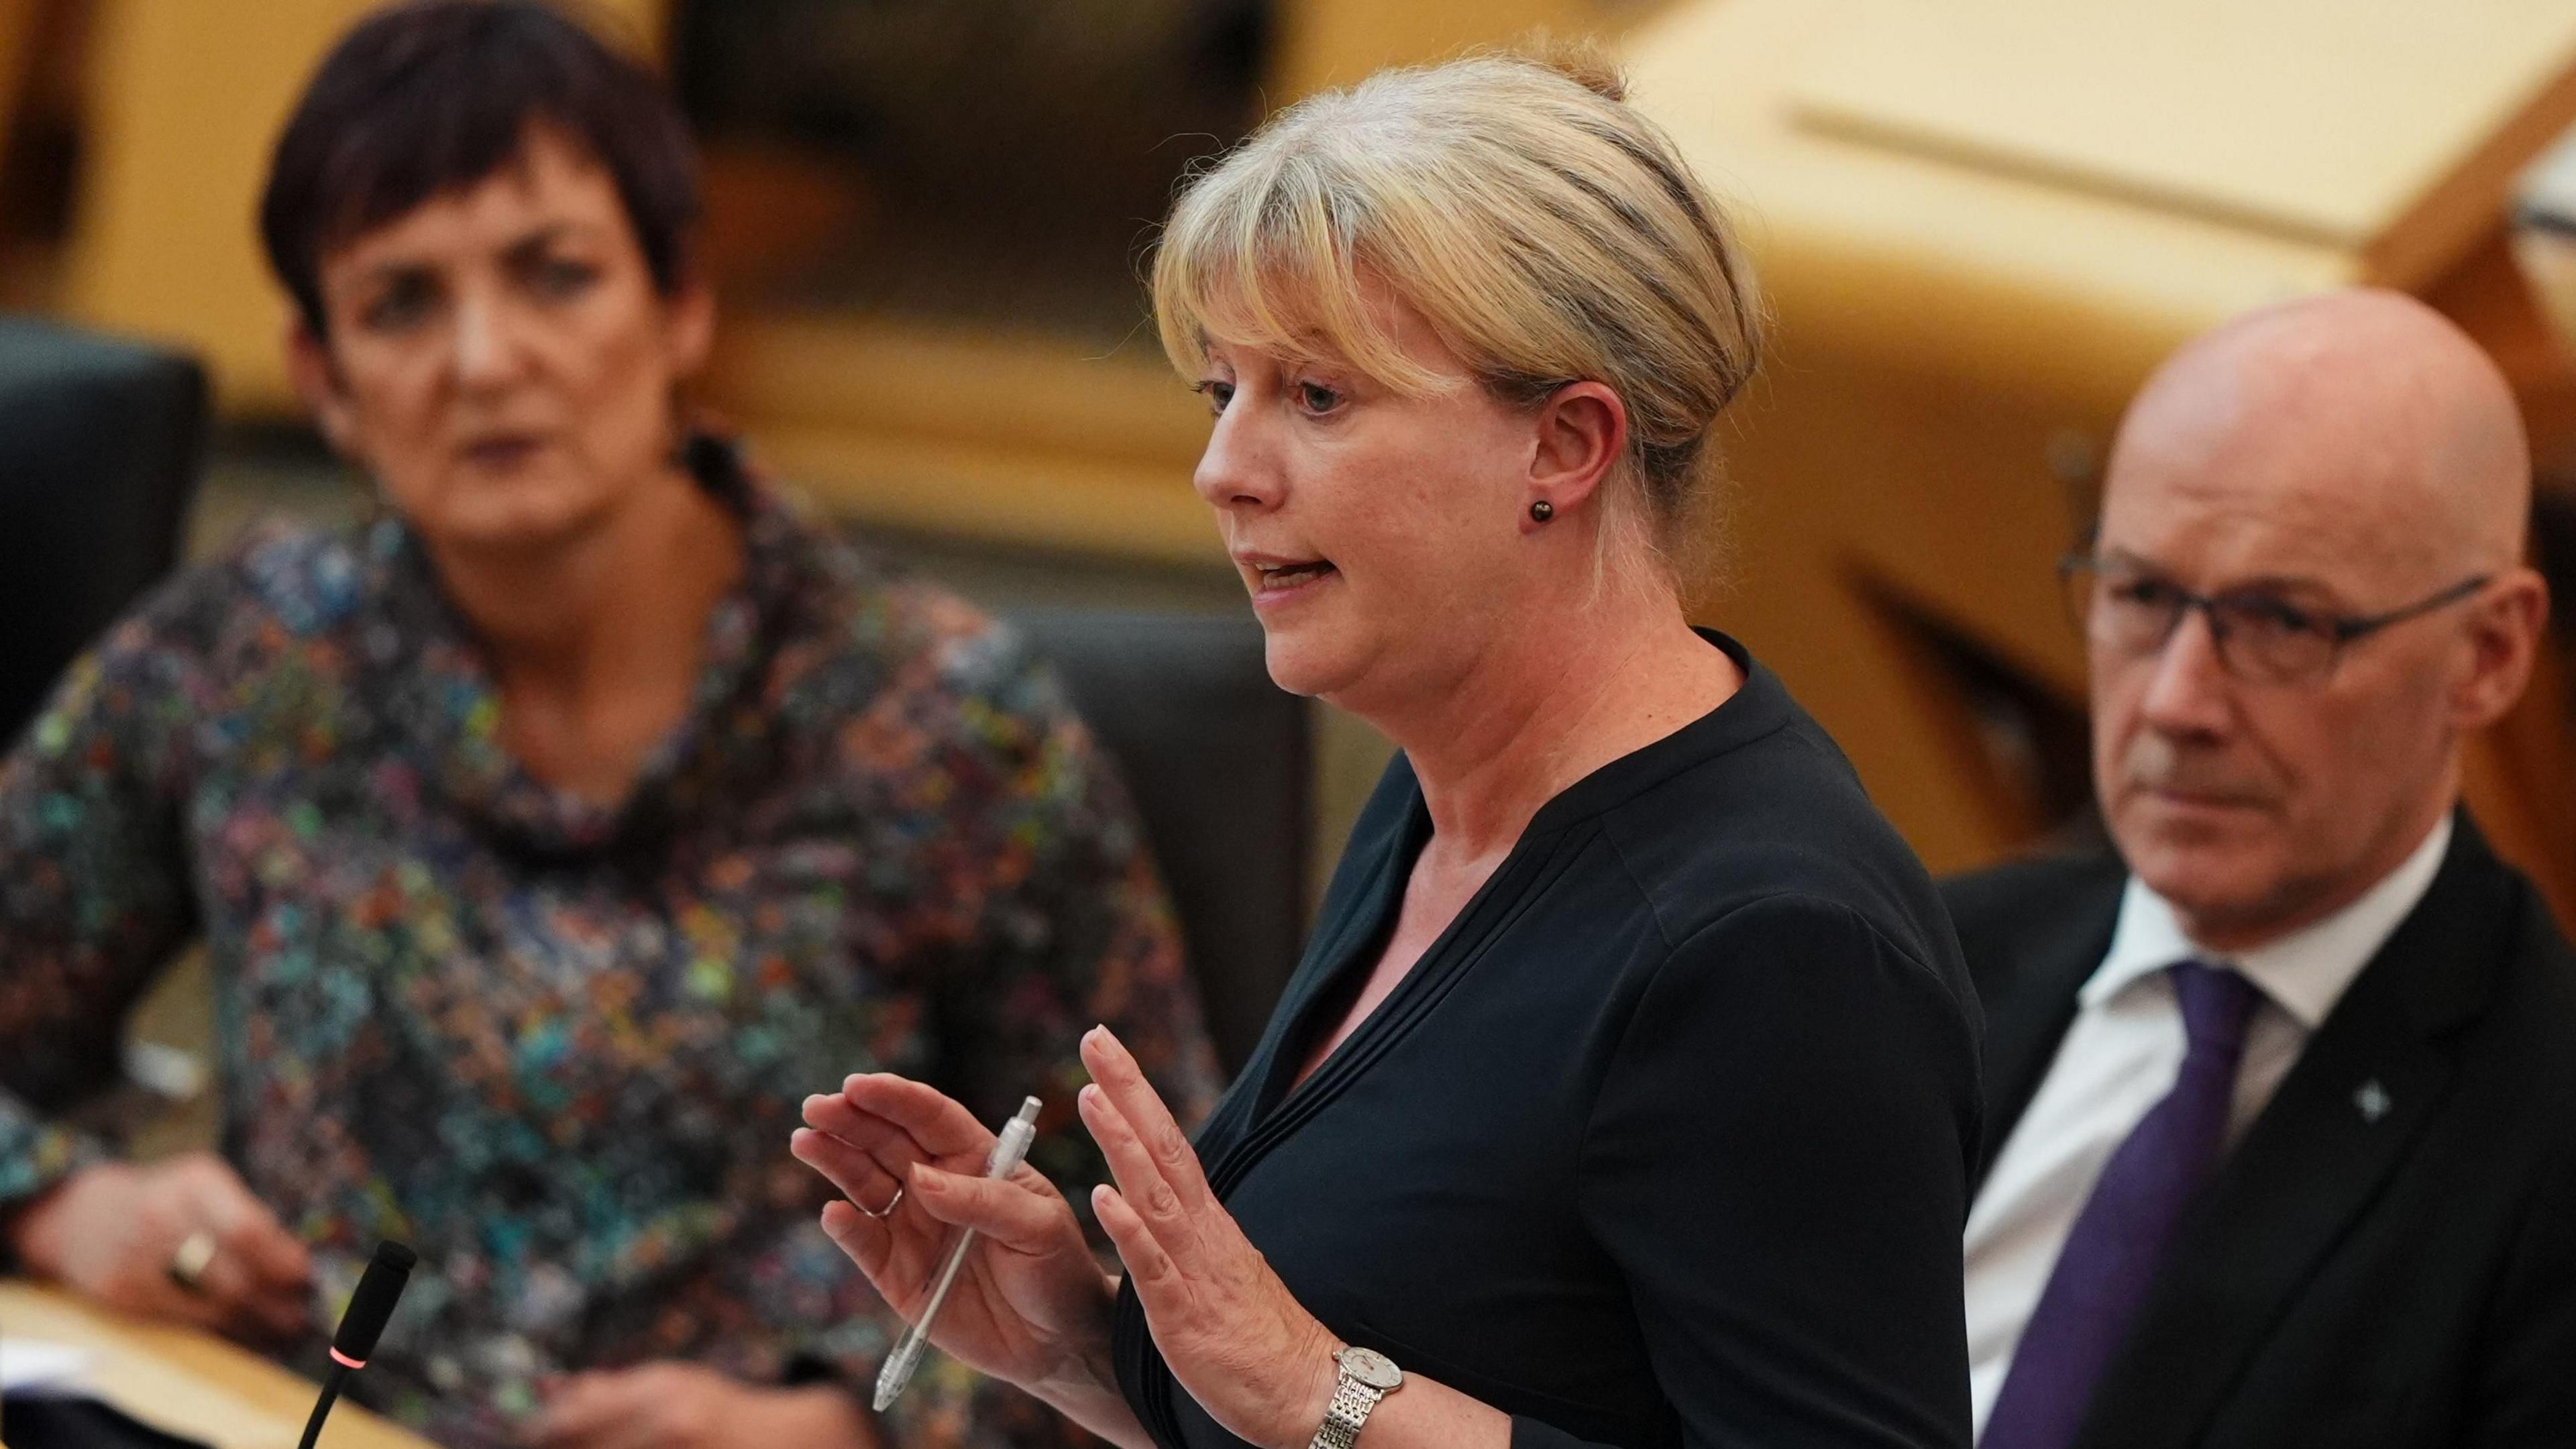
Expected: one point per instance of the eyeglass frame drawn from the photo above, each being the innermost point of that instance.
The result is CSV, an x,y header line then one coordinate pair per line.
x,y
2339,629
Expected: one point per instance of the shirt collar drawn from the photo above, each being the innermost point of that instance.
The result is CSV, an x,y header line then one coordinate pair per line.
x,y
442,689
2304,973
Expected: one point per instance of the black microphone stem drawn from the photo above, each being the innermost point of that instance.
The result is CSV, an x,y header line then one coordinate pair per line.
x,y
331,1383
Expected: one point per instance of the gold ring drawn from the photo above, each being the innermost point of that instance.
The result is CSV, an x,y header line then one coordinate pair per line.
x,y
880,1213
189,1261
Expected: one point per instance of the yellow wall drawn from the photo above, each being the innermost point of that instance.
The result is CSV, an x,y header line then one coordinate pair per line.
x,y
1334,42
17,27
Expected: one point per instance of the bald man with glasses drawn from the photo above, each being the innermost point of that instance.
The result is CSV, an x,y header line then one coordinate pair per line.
x,y
2281,1096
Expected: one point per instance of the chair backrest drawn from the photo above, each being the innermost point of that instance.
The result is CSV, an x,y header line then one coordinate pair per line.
x,y
1218,761
100,442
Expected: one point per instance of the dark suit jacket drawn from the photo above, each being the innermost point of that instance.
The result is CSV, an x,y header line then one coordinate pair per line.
x,y
2347,1278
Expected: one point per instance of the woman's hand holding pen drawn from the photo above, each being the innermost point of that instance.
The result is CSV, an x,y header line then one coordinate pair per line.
x,y
1032,1306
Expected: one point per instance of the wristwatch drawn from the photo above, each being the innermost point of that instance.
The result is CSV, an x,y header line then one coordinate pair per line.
x,y
1367,1376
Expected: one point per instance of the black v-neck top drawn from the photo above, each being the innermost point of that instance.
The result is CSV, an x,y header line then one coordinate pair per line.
x,y
1665,1141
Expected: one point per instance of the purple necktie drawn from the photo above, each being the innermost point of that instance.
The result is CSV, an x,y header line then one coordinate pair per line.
x,y
2110,1258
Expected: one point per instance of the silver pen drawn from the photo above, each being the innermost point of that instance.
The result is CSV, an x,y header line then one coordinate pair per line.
x,y
1008,1151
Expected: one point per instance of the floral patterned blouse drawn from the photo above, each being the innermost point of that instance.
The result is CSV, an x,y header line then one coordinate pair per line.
x,y
559,1048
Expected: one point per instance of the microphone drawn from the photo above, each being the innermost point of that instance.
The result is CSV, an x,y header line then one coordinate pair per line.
x,y
361,1326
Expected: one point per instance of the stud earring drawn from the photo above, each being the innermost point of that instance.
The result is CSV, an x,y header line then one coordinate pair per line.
x,y
1542,511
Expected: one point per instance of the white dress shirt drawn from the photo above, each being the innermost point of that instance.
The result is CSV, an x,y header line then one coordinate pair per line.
x,y
2120,1058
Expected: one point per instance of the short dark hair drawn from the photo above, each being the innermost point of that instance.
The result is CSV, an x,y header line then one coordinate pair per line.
x,y
431,96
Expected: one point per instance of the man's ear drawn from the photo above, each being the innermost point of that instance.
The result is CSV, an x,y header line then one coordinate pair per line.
x,y
317,385
1581,433
2505,627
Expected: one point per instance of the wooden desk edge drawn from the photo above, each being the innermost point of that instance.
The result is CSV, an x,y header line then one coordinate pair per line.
x,y
202,1359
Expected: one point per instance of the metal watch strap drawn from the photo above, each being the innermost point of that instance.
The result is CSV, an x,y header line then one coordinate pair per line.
x,y
1343,1417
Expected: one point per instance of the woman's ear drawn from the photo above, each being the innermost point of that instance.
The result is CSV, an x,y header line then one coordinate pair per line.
x,y
317,385
1582,431
689,327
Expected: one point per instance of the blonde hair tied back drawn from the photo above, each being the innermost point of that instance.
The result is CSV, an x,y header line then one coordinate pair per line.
x,y
1547,231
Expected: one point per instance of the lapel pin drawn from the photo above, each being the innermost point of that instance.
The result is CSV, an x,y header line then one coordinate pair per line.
x,y
2373,1101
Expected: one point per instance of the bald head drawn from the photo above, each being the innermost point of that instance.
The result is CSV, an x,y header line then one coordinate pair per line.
x,y
2362,405
2309,590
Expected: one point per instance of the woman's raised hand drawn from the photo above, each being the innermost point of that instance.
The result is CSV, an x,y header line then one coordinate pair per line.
x,y
1234,1336
1032,1306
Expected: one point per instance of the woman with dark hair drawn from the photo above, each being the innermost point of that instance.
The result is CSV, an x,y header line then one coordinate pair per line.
x,y
552,832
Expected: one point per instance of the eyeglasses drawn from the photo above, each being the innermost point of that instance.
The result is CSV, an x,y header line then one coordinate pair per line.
x,y
2260,636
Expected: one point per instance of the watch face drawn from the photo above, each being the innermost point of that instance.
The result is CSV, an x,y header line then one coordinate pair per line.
x,y
1370,1367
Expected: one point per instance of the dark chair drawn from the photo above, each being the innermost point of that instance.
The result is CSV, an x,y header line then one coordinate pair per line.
x,y
100,442
1217,758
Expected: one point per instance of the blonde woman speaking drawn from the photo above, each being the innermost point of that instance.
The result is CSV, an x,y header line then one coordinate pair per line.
x,y
1627,1091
